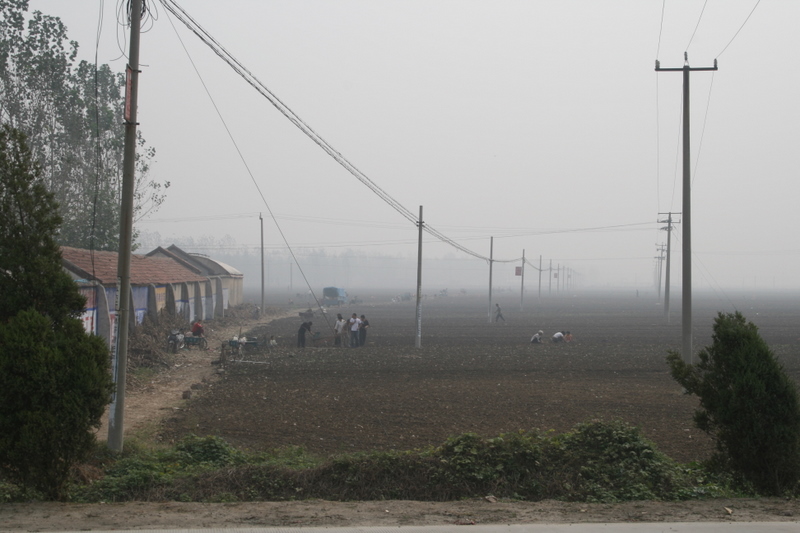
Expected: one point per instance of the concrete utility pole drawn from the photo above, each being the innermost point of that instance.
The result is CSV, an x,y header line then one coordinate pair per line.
x,y
686,317
550,277
668,229
418,340
540,277
522,282
116,412
261,311
660,248
491,262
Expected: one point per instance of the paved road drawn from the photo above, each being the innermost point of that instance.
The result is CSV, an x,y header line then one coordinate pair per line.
x,y
654,527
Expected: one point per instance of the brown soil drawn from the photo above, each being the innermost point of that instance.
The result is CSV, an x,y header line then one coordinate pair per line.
x,y
469,376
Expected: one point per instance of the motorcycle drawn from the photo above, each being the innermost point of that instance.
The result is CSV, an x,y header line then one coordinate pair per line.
x,y
175,341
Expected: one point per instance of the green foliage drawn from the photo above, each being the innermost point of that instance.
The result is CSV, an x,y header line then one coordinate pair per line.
x,y
512,459
613,462
54,378
748,405
54,386
596,462
208,450
30,261
72,114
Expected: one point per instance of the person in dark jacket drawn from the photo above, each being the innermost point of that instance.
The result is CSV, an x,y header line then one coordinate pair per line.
x,y
362,331
301,334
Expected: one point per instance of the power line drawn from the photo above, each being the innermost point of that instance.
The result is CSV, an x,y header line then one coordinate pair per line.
x,y
284,109
697,25
740,28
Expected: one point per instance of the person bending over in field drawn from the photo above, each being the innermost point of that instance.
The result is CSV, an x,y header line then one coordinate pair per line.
x,y
538,337
301,334
558,336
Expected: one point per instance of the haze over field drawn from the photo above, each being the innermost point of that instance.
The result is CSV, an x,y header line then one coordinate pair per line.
x,y
541,123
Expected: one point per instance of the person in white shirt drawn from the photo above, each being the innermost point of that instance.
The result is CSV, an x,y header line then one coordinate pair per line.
x,y
538,337
355,324
338,330
558,336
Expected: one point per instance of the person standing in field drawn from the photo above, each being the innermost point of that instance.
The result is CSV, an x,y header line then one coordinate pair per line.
x,y
498,314
301,334
355,324
338,330
362,331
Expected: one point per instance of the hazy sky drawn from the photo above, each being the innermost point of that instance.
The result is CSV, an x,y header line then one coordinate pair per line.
x,y
530,121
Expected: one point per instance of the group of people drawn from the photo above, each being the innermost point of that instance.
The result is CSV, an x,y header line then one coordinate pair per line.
x,y
357,326
358,330
558,336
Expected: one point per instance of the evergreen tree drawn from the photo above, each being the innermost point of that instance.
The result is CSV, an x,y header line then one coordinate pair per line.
x,y
54,378
748,404
30,261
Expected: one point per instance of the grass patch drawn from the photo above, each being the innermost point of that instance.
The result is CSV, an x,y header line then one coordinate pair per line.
x,y
596,462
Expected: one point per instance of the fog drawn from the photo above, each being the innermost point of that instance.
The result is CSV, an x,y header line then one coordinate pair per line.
x,y
542,124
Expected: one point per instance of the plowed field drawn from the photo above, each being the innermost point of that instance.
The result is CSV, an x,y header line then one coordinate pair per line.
x,y
472,375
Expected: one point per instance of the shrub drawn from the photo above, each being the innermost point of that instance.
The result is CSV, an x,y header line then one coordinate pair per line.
x,y
54,386
611,461
748,405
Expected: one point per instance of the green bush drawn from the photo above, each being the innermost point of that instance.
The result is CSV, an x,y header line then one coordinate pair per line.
x,y
611,462
208,450
596,462
748,405
493,465
54,386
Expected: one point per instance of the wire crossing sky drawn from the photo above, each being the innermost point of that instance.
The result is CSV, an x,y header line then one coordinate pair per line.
x,y
522,120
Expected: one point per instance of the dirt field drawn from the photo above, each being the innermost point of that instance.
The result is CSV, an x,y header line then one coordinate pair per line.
x,y
469,376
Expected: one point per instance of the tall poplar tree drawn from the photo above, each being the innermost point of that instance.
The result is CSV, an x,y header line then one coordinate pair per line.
x,y
72,115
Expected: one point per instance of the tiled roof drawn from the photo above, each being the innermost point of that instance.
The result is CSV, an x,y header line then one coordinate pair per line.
x,y
144,270
204,264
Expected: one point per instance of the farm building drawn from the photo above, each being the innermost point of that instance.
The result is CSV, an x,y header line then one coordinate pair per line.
x,y
160,283
227,280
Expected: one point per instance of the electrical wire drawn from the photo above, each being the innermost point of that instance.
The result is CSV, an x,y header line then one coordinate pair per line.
x,y
697,25
703,131
97,150
661,27
250,173
740,28
295,119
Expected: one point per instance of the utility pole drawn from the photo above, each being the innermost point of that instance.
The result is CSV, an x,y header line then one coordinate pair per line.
x,y
668,229
540,276
418,341
522,282
117,411
660,248
491,261
550,277
261,311
686,312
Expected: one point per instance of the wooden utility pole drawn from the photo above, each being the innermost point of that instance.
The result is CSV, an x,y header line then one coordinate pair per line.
x,y
116,412
686,311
